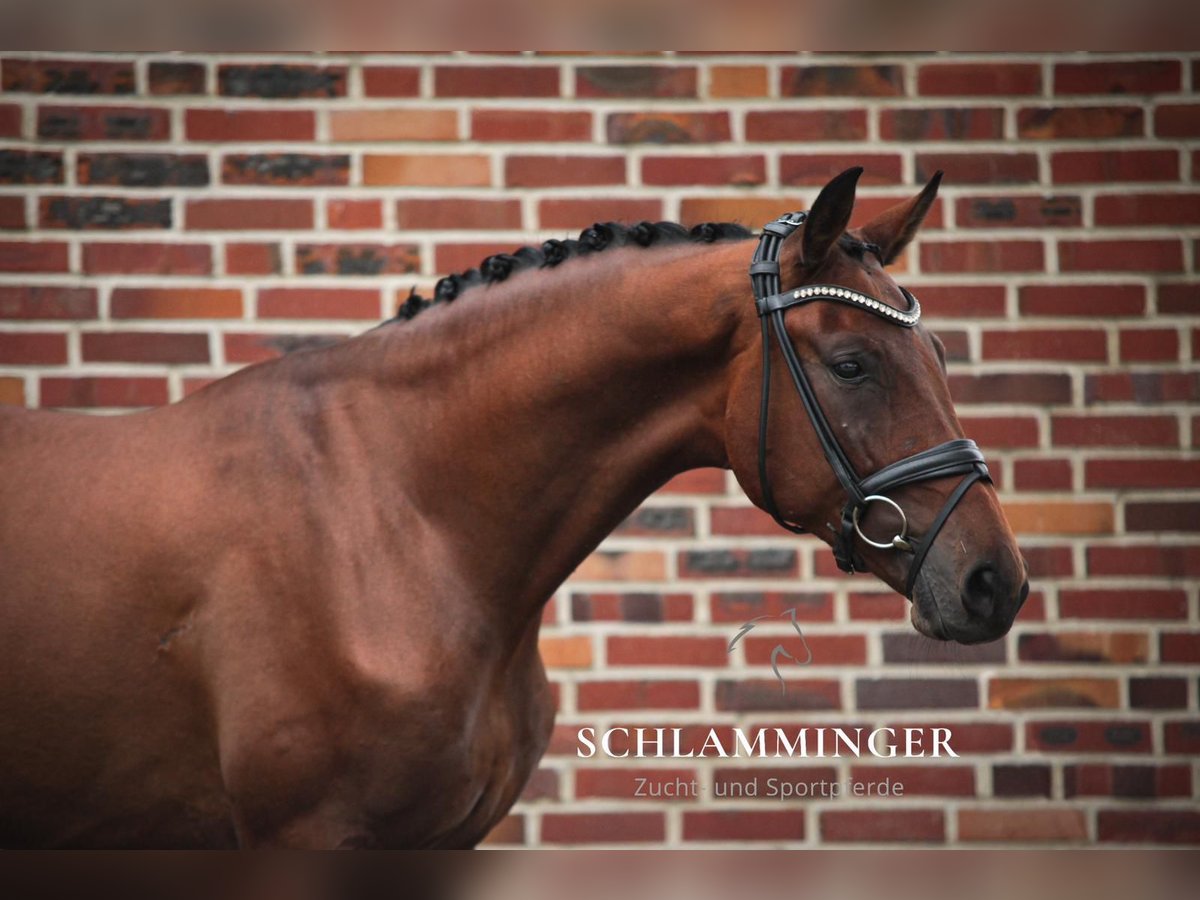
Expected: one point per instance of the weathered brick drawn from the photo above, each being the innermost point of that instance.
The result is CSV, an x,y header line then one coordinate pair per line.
x,y
10,120
286,169
742,606
1165,826
842,81
950,123
667,128
276,81
635,81
632,606
102,123
738,563
143,169
1080,122
1009,781
1053,693
30,167
103,212
1087,736
178,78
357,259
67,76
1060,211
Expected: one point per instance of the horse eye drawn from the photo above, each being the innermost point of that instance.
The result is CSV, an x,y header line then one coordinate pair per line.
x,y
847,370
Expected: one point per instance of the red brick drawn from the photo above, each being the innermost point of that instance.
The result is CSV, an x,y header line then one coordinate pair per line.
x,y
741,606
1153,826
218,125
427,170
982,256
1164,515
719,170
248,214
392,81
1042,475
1160,76
737,81
1178,120
103,123
842,81
33,348
623,784
175,78
1053,693
457,213
12,213
1180,647
1018,212
667,128
276,81
49,302
942,124
563,171
744,825
33,256
876,607
1090,300
68,76
919,826
176,303
530,125
252,259
715,562
103,392
603,828
1080,122
147,259
1143,473
974,737
1023,826
1090,736
826,649
1149,345
350,214
1002,432
10,120
635,81
978,79
145,347
1142,387
460,257
925,781
962,301
640,694
496,81
1182,737
816,169
419,124
1126,255
318,303
1107,167
1140,603
1114,431
666,651
978,168
1156,560
1148,209
806,125
579,214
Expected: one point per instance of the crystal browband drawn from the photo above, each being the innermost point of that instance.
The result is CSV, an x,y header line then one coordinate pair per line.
x,y
907,318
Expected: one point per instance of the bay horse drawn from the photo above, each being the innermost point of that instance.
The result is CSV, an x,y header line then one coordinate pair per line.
x,y
301,607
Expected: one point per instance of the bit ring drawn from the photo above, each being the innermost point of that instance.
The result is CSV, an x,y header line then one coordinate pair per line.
x,y
900,541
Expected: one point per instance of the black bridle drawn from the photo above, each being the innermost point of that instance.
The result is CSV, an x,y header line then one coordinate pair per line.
x,y
956,457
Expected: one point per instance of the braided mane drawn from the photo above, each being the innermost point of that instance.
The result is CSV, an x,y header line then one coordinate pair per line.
x,y
600,236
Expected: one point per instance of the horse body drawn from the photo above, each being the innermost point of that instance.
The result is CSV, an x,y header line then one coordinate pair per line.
x,y
301,607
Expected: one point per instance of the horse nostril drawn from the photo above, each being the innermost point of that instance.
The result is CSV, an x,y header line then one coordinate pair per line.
x,y
980,590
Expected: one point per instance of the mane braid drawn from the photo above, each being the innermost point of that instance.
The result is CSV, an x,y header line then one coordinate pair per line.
x,y
596,239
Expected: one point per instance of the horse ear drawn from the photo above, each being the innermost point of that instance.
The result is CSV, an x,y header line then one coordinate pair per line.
x,y
893,229
829,216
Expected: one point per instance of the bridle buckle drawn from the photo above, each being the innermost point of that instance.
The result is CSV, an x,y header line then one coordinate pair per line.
x,y
794,219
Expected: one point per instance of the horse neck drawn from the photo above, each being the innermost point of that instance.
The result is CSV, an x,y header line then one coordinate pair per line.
x,y
541,411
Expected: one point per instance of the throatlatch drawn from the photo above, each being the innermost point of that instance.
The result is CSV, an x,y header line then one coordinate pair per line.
x,y
956,457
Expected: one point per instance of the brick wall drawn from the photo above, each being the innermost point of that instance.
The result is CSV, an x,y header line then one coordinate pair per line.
x,y
166,219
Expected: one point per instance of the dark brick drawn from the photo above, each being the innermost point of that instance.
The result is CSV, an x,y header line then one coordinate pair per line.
x,y
143,169
104,212
64,76
1166,826
908,647
979,168
1163,515
916,693
767,694
635,81
667,128
1080,122
357,259
660,521
282,81
1158,693
102,123
30,167
285,169
1021,781
1011,387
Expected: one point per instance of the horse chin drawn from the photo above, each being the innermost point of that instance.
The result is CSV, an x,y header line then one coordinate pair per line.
x,y
925,618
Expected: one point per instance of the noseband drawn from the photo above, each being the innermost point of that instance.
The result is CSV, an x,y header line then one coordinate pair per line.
x,y
956,457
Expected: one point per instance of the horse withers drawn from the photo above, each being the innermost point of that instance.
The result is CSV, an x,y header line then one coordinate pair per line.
x,y
301,607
